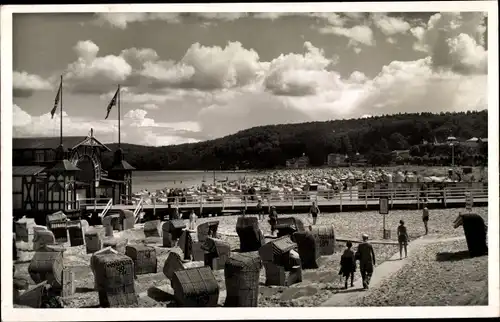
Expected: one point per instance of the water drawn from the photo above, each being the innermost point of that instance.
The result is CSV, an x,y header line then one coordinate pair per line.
x,y
154,180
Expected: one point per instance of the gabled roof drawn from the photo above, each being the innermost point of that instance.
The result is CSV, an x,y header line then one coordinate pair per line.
x,y
46,142
92,141
63,166
122,166
30,170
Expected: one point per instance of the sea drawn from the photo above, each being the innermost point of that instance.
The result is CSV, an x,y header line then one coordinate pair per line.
x,y
155,180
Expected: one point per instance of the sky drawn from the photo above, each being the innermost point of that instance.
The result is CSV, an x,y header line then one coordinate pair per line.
x,y
189,77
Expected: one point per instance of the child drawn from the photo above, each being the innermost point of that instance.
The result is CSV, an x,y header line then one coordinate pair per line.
x,y
192,220
259,209
273,219
348,264
402,239
314,211
425,218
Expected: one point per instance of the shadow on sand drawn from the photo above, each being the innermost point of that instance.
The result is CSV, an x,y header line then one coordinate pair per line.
x,y
350,290
84,290
452,257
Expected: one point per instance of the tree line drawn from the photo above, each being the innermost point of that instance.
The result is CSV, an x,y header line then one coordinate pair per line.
x,y
268,147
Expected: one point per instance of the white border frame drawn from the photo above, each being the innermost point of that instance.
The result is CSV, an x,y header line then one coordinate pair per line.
x,y
493,310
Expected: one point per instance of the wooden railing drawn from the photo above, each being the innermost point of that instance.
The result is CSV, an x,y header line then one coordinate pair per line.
x,y
367,196
109,205
137,210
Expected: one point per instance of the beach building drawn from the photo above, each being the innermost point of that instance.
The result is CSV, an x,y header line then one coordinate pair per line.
x,y
53,173
336,159
400,155
298,163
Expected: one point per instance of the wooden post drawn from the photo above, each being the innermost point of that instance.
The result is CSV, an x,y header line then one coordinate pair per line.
x,y
366,199
201,203
418,199
154,207
444,196
292,200
340,201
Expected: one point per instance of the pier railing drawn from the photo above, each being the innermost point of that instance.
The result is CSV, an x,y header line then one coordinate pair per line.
x,y
326,197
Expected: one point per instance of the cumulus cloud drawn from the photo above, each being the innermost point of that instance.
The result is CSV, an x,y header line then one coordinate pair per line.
x,y
390,25
454,40
223,89
136,128
93,74
357,35
122,19
24,84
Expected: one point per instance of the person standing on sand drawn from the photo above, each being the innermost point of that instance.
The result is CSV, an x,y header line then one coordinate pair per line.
x,y
273,219
192,220
314,211
402,239
366,257
259,209
348,264
425,218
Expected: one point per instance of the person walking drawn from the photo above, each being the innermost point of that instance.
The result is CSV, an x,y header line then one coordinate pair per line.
x,y
192,220
425,218
366,257
259,209
402,239
273,219
348,264
314,211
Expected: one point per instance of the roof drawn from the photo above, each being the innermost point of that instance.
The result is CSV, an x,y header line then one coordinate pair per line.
x,y
451,138
122,166
46,142
30,170
69,142
474,139
92,141
62,166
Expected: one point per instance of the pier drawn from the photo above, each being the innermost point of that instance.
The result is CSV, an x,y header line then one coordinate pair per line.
x,y
299,202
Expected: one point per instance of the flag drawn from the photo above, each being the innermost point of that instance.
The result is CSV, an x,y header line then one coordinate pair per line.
x,y
112,103
56,101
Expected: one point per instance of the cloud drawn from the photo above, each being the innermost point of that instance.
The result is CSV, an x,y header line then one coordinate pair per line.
x,y
24,84
92,74
357,35
454,40
136,128
297,75
122,19
390,26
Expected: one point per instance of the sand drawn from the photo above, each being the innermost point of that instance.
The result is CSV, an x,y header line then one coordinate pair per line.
x,y
153,290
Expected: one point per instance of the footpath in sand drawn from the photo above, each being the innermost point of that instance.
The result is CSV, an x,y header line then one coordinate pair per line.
x,y
381,272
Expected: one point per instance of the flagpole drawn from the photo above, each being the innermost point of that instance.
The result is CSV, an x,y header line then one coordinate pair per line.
x,y
119,121
61,121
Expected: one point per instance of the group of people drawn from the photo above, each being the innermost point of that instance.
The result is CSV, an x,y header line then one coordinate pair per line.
x,y
366,256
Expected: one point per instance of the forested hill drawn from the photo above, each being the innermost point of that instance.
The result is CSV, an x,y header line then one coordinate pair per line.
x,y
266,147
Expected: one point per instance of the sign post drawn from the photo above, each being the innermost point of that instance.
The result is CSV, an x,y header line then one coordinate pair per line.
x,y
384,210
469,201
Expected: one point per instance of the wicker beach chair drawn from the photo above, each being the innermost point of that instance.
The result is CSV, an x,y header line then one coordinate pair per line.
x,y
195,287
93,241
216,252
76,234
47,266
251,237
42,237
153,228
241,274
326,238
144,258
114,277
57,223
308,248
208,229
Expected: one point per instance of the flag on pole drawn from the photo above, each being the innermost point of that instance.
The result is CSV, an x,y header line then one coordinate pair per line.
x,y
112,103
56,101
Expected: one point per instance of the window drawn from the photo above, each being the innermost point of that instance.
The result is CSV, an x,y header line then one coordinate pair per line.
x,y
39,156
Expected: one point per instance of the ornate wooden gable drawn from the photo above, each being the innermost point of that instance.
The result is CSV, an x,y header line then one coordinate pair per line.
x,y
87,156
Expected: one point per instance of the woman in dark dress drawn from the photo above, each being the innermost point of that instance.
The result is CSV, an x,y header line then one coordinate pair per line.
x,y
348,264
402,239
273,219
